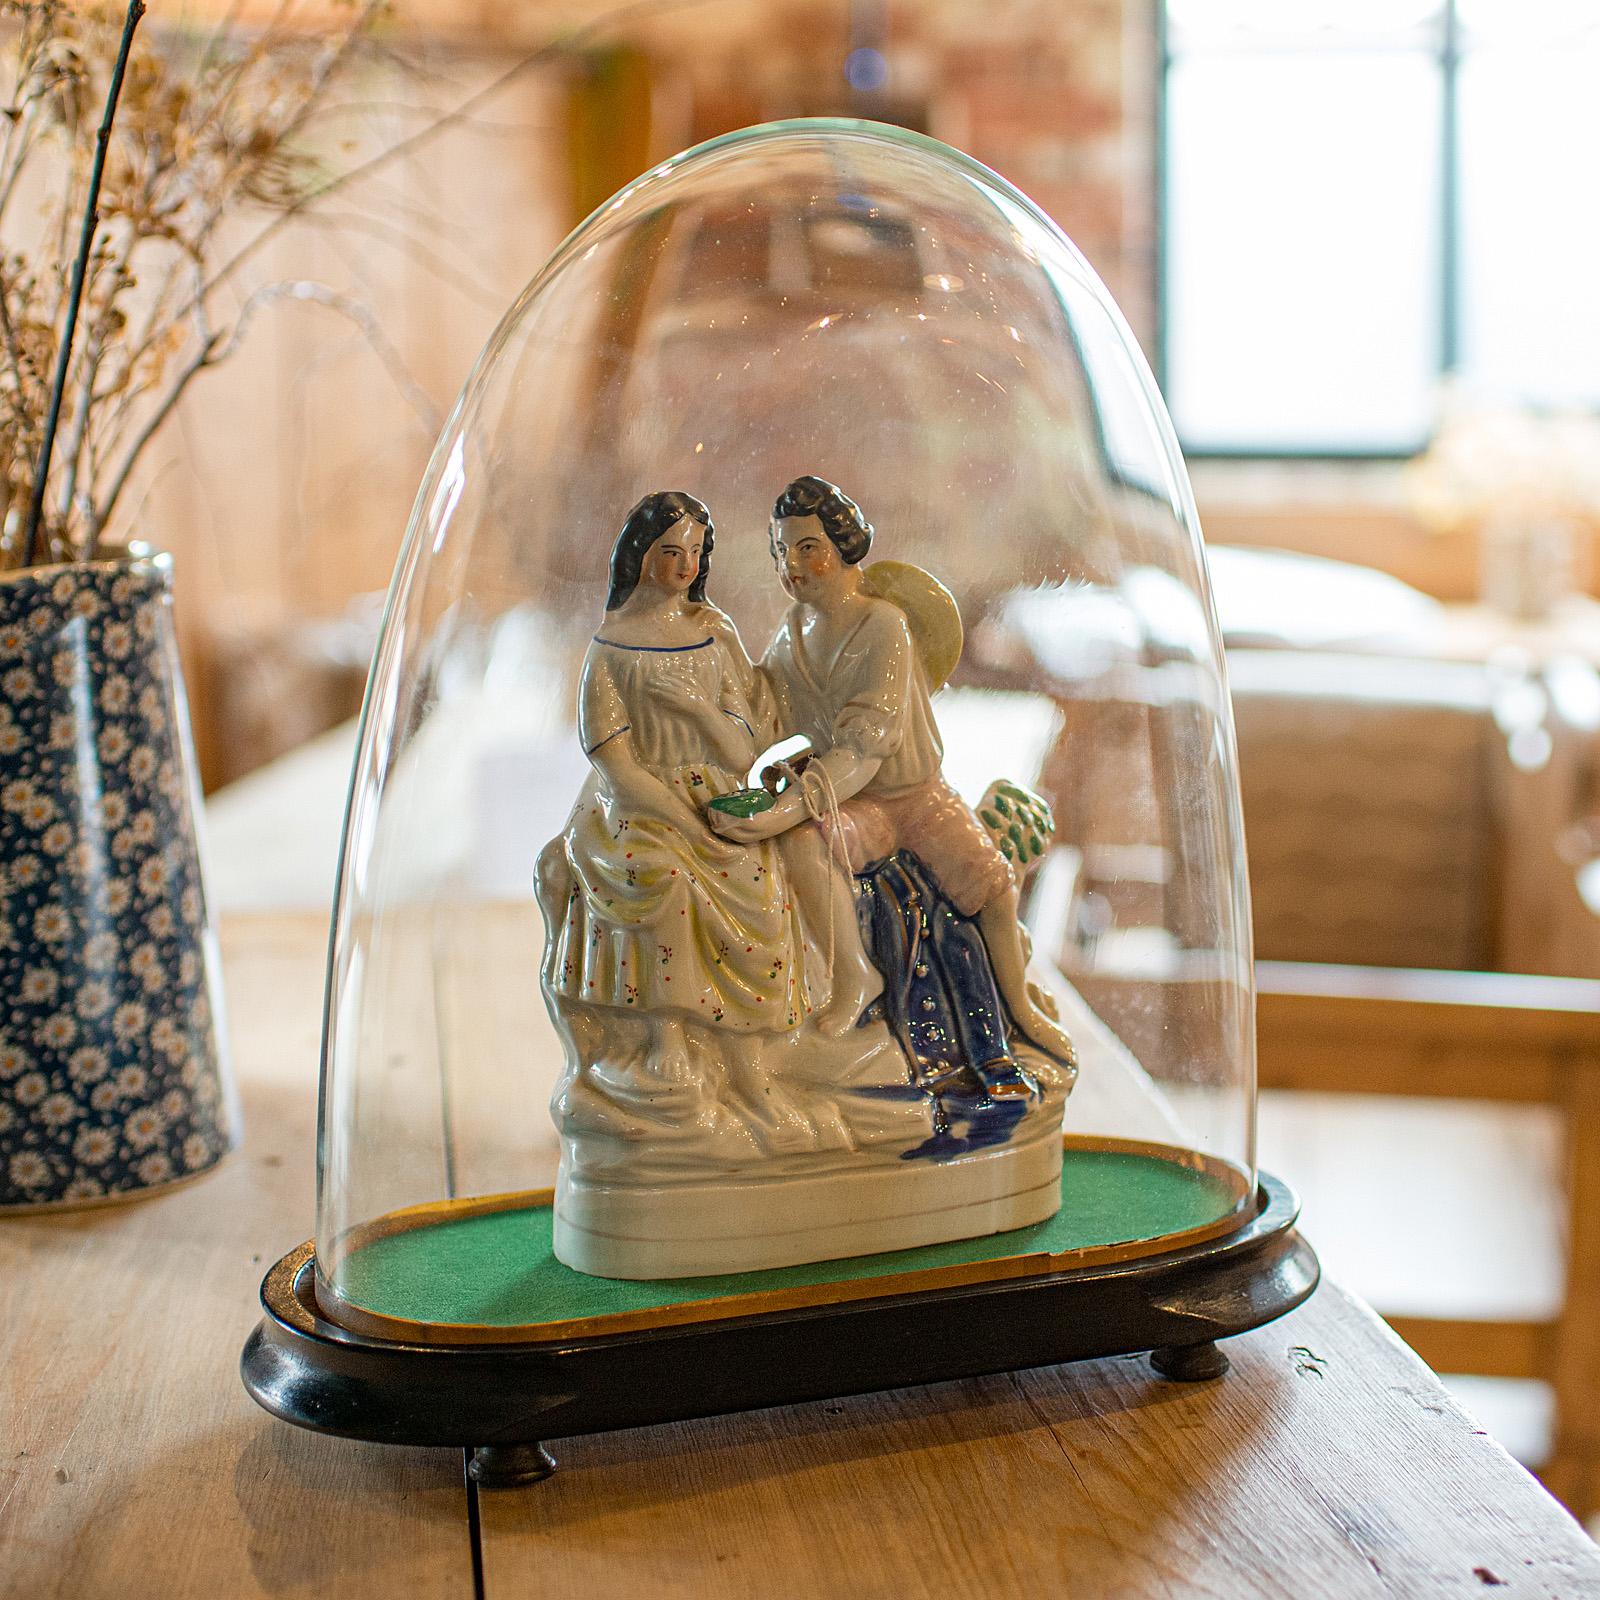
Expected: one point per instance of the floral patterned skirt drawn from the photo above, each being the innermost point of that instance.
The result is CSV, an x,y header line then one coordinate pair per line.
x,y
657,912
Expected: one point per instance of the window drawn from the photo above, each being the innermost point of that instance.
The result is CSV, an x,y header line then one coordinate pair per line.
x,y
1361,196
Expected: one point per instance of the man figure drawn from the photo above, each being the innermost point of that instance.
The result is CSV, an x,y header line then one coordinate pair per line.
x,y
847,675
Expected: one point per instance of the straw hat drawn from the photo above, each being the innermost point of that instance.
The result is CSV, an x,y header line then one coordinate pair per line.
x,y
931,611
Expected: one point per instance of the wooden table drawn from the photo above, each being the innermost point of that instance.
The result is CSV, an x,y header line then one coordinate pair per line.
x,y
1329,1462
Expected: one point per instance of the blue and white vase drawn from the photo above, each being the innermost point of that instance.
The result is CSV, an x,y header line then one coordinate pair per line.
x,y
113,1076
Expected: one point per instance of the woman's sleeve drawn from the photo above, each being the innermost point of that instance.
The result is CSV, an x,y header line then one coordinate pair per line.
x,y
602,715
873,720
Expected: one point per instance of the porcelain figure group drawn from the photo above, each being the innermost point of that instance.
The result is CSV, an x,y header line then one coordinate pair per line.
x,y
797,1016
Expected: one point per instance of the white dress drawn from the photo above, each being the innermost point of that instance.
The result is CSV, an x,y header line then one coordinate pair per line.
x,y
660,916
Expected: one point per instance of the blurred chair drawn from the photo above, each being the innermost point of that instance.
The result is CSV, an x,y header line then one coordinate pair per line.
x,y
1403,810
269,684
1369,807
1403,814
1417,813
1502,1038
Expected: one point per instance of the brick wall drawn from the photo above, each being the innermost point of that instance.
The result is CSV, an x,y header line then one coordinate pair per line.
x,y
1059,98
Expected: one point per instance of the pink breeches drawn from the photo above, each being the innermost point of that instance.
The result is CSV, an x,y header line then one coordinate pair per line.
x,y
935,823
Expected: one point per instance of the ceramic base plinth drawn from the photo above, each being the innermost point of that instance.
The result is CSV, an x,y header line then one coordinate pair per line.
x,y
735,1224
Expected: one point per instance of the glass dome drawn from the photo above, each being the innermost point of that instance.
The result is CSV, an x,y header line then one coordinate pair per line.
x,y
860,305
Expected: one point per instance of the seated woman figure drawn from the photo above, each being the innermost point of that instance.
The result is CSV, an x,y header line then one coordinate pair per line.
x,y
648,910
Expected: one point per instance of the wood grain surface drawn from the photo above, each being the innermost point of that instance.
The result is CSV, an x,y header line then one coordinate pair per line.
x,y
133,1465
132,1462
1329,1462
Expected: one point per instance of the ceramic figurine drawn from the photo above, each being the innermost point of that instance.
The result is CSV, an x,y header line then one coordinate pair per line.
x,y
847,674
797,1018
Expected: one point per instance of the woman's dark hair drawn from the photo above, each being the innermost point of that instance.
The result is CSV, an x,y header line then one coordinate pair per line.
x,y
839,515
646,523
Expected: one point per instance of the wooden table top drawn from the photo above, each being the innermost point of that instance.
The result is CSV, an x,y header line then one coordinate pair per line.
x,y
1330,1461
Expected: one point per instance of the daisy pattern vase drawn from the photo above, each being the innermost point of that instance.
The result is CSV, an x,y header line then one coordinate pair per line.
x,y
113,1080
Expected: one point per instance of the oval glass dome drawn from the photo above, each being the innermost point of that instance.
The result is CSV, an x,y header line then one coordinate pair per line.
x,y
809,303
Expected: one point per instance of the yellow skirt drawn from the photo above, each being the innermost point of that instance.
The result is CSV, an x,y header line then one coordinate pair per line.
x,y
662,914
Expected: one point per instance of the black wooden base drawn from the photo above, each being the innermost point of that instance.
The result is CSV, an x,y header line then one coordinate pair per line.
x,y
506,1399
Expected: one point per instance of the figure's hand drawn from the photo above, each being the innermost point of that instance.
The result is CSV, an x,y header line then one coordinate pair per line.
x,y
746,830
791,769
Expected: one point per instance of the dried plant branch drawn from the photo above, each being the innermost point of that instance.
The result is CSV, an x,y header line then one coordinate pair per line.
x,y
8,333
460,115
481,294
91,221
203,131
307,292
208,130
77,437
202,356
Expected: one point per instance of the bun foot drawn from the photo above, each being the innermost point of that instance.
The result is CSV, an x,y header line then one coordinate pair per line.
x,y
509,1466
1189,1363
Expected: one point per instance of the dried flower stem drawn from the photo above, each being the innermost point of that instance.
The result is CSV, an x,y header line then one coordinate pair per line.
x,y
460,115
13,351
91,221
147,307
204,356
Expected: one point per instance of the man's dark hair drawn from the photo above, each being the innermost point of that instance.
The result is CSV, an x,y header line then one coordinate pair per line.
x,y
646,523
839,515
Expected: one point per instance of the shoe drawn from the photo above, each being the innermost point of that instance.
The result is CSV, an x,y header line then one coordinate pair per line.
x,y
1005,1080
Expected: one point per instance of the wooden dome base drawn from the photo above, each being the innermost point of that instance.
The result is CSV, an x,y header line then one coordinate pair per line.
x,y
505,1400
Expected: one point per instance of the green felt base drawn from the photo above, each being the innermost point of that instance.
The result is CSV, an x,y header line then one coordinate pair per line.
x,y
496,1269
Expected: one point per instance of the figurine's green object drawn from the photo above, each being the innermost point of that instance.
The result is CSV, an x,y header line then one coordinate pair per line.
x,y
1019,820
743,802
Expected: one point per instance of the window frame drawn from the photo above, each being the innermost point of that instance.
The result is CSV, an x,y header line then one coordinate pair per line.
x,y
1446,275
